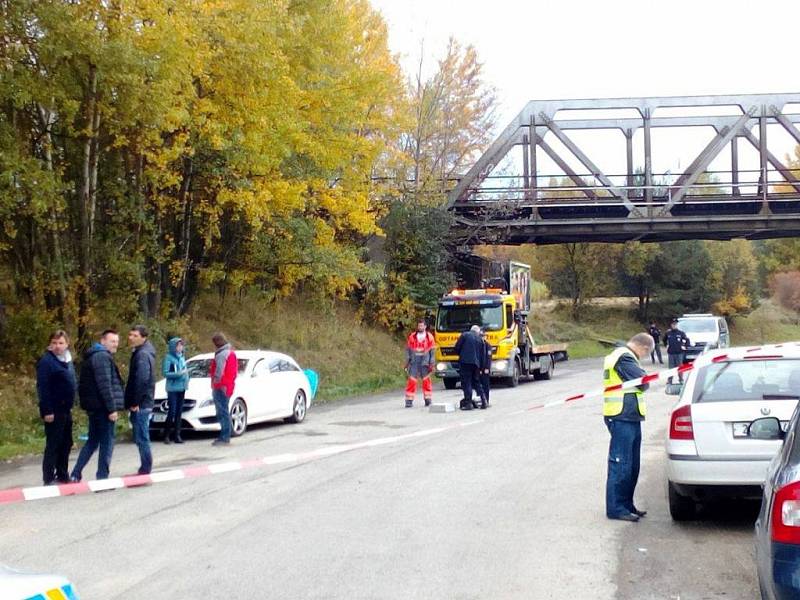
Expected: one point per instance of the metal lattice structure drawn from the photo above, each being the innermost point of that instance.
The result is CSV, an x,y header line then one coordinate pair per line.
x,y
637,204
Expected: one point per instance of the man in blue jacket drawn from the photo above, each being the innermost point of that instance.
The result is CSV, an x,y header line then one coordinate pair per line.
x,y
470,348
140,391
55,386
173,367
102,397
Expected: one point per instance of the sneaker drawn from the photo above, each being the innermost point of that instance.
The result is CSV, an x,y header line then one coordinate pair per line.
x,y
75,479
221,443
428,402
409,403
167,440
178,440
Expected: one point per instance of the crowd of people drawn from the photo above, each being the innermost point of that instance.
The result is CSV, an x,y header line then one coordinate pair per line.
x,y
104,396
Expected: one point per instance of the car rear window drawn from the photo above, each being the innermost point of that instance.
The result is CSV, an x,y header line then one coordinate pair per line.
x,y
754,379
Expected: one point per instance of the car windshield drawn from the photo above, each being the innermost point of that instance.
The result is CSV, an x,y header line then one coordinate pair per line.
x,y
462,317
696,325
755,379
200,368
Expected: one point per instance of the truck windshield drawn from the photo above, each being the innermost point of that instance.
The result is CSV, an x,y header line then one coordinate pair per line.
x,y
462,317
695,325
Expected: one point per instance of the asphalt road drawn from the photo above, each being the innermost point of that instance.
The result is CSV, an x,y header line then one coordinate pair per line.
x,y
502,503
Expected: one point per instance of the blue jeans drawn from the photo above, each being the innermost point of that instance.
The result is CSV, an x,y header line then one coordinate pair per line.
x,y
101,435
623,465
223,414
140,420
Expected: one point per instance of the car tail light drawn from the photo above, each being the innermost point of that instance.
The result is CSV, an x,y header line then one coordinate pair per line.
x,y
786,514
680,425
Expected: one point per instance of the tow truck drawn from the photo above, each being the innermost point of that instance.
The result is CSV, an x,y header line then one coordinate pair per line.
x,y
502,309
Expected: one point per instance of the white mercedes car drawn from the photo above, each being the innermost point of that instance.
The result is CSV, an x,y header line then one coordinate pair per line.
x,y
710,452
269,386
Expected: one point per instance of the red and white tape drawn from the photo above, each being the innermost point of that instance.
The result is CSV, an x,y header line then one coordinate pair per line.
x,y
23,494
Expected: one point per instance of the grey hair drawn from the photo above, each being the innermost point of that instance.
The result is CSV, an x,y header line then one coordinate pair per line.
x,y
475,329
645,340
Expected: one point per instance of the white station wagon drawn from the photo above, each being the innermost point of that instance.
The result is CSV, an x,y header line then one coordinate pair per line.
x,y
269,386
710,452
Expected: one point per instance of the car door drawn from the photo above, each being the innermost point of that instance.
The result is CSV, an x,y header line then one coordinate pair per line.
x,y
259,384
293,381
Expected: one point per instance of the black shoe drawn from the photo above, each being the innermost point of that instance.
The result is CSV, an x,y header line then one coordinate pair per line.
x,y
178,440
427,402
466,405
167,439
629,517
639,513
409,403
221,443
475,404
484,404
74,479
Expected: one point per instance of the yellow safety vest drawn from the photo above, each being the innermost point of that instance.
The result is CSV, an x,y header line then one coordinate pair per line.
x,y
613,400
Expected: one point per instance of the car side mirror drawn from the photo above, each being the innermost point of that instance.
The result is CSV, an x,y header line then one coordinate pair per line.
x,y
767,428
673,389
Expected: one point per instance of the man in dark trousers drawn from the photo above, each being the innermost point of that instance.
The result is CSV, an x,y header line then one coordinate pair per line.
x,y
56,386
102,397
486,368
676,343
469,348
623,412
140,391
655,332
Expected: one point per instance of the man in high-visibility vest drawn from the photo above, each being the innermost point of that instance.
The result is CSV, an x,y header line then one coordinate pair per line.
x,y
419,363
624,411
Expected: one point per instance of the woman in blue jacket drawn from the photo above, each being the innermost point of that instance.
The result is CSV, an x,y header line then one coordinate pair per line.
x,y
174,369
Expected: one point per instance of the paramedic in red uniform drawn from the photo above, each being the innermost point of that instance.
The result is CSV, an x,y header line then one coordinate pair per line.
x,y
419,363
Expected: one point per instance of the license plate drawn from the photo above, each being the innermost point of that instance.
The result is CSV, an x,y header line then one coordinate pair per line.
x,y
159,417
740,429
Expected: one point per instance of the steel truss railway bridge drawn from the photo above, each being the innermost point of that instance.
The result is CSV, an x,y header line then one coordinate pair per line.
x,y
582,203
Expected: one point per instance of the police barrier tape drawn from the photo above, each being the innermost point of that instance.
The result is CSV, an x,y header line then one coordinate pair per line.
x,y
625,385
22,494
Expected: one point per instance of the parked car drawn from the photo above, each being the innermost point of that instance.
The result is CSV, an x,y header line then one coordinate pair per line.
x,y
778,523
705,332
710,452
15,585
269,386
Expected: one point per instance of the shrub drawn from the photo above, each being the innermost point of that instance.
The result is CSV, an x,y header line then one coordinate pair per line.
x,y
785,289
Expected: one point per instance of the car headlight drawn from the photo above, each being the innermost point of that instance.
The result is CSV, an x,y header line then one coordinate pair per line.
x,y
500,365
206,402
441,366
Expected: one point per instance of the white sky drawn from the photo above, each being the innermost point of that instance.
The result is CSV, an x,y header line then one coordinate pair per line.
x,y
563,49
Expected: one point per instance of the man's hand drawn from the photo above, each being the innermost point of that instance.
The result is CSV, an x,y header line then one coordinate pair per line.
x,y
113,417
49,418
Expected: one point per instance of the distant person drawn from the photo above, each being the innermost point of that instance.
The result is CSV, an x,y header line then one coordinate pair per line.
x,y
655,333
469,348
485,369
676,343
223,371
140,391
419,363
623,413
102,397
173,367
56,386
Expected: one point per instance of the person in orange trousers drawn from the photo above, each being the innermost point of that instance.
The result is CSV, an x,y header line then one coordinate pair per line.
x,y
419,363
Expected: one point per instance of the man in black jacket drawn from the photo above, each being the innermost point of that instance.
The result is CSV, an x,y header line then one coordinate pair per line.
x,y
676,343
655,333
55,386
486,369
140,391
101,396
469,348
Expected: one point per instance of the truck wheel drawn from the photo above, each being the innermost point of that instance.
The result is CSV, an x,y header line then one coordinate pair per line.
x,y
547,373
449,383
513,381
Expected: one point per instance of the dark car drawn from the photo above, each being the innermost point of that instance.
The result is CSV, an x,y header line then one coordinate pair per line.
x,y
778,524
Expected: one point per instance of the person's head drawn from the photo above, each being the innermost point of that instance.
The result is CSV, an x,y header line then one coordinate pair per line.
x,y
176,345
475,329
674,324
59,342
219,340
652,323
137,336
642,344
109,340
422,325
482,331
